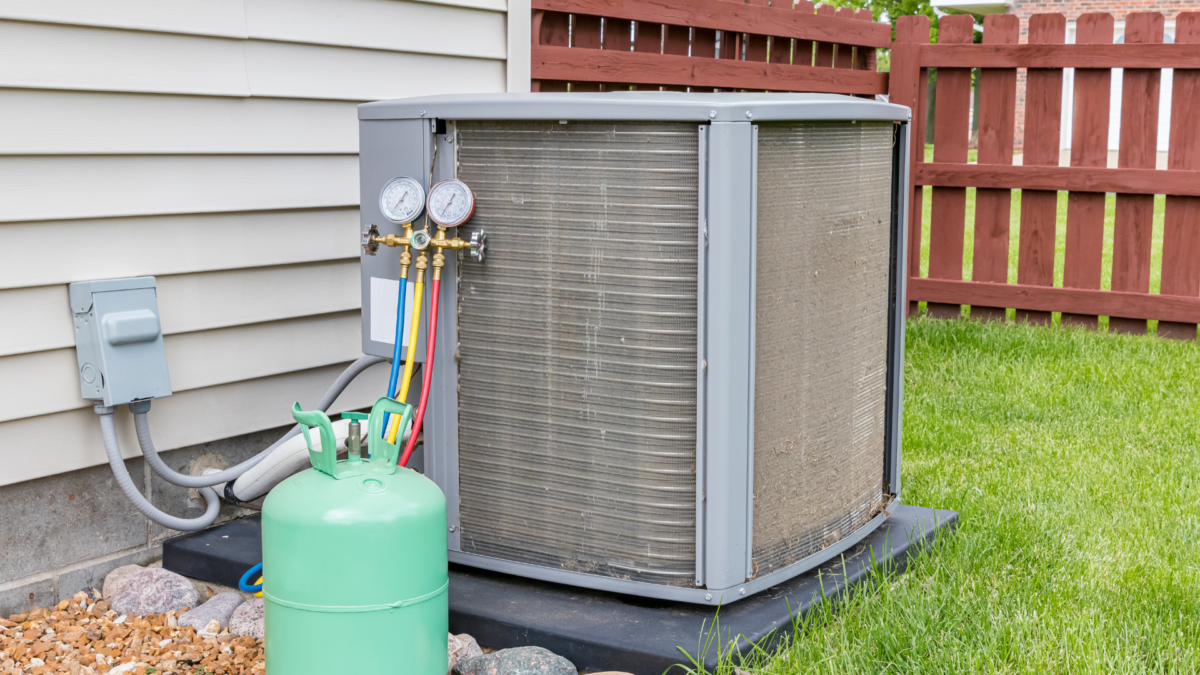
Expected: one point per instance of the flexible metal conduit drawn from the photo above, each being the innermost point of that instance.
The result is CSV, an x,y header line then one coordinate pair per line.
x,y
142,425
117,463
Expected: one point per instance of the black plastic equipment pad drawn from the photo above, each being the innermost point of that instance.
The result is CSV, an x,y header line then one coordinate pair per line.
x,y
220,554
602,631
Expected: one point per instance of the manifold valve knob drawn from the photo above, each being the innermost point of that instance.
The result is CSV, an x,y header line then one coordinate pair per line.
x,y
478,245
369,245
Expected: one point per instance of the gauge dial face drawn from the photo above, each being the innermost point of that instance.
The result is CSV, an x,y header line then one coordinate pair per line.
x,y
402,200
451,203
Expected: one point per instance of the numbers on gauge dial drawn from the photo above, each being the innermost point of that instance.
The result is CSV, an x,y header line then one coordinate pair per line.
x,y
451,203
402,200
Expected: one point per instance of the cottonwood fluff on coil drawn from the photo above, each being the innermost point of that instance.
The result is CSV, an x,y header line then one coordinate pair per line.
x,y
821,334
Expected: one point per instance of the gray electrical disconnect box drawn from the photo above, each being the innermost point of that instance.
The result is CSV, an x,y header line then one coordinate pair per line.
x,y
119,341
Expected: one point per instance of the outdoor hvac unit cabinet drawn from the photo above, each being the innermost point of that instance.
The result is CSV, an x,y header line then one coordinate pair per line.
x,y
677,374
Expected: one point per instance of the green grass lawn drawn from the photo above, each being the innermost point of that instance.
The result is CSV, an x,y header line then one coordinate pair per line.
x,y
1073,458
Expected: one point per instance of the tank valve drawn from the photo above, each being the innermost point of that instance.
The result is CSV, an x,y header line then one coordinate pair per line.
x,y
354,439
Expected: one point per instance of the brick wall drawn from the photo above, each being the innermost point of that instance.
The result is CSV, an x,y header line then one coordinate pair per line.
x,y
1072,9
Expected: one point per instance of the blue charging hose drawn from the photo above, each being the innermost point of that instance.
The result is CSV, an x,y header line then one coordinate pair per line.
x,y
396,351
244,582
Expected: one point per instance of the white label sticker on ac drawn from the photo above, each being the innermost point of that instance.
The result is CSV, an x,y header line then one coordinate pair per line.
x,y
384,294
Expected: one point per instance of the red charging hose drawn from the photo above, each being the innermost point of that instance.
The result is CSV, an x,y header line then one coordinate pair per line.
x,y
431,328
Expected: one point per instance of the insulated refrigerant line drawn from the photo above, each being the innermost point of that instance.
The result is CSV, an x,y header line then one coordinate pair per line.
x,y
393,429
431,331
395,372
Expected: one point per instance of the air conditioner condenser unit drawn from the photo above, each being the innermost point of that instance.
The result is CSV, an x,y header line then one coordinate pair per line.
x,y
677,374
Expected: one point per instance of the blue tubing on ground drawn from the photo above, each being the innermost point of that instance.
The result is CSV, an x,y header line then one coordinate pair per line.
x,y
396,351
244,582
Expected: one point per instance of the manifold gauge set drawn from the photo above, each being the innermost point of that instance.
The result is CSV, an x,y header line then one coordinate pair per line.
x,y
450,202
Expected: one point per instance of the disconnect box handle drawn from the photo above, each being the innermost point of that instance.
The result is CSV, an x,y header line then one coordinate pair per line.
x,y
325,459
376,444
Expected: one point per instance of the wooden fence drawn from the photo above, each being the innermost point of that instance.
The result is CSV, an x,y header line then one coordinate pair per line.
x,y
704,45
707,45
1129,303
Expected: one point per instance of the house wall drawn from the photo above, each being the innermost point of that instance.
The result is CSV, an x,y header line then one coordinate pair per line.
x,y
212,144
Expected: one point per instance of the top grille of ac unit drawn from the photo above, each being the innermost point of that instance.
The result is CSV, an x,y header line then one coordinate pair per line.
x,y
577,345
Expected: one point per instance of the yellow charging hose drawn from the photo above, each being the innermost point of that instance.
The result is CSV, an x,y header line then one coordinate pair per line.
x,y
402,395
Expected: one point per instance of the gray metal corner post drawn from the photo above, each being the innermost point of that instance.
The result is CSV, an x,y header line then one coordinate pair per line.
x,y
441,437
900,306
729,284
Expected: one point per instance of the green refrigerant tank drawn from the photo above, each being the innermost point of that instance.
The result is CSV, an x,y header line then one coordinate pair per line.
x,y
354,561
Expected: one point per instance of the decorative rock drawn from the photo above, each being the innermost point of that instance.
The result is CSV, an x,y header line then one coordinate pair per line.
x,y
247,619
219,608
463,647
116,580
516,661
155,591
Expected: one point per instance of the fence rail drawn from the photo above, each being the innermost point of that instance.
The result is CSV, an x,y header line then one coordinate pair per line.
x,y
704,45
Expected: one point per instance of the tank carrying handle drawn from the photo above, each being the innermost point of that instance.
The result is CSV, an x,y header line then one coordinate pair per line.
x,y
325,459
377,445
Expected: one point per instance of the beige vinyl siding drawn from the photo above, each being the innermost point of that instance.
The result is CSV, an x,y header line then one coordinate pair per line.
x,y
48,122
193,302
106,248
212,144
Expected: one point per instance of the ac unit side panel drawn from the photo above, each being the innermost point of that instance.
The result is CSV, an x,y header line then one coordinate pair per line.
x,y
577,348
823,264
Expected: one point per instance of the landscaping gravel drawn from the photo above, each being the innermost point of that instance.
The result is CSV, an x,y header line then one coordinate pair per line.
x,y
83,636
224,636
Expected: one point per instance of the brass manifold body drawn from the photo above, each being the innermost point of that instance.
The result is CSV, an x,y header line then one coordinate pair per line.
x,y
420,240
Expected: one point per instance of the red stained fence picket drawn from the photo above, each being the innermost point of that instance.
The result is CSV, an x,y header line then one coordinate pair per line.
x,y
705,45
1135,181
